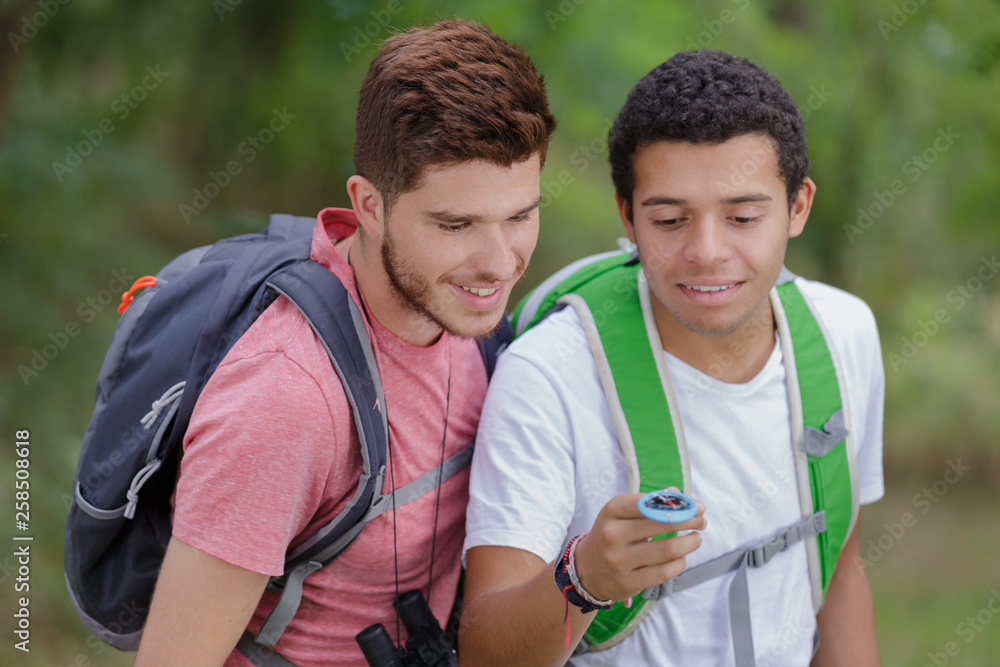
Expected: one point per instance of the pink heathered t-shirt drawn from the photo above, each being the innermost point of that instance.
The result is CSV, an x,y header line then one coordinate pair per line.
x,y
272,454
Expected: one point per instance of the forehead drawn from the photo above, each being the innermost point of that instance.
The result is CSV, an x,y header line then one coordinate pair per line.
x,y
475,184
724,168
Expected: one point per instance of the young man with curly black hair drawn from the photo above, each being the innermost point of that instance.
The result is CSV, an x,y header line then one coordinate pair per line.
x,y
696,361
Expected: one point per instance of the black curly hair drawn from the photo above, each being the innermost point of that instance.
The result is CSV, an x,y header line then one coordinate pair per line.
x,y
707,97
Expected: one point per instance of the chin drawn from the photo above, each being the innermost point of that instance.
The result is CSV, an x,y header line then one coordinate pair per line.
x,y
482,326
708,326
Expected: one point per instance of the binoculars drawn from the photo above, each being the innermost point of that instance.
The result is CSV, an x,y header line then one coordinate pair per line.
x,y
427,646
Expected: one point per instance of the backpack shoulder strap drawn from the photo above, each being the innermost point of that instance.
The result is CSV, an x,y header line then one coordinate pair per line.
x,y
616,313
491,346
617,318
540,301
609,294
824,447
339,324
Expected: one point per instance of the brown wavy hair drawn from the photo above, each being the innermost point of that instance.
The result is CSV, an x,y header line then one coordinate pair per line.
x,y
444,94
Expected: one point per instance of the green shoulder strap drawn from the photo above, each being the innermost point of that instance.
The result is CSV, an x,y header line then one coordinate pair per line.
x,y
537,304
825,440
606,296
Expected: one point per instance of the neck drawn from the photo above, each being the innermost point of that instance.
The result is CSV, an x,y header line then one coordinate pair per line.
x,y
736,356
380,297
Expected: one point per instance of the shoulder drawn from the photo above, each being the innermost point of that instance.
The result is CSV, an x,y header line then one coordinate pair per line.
x,y
850,328
280,347
549,373
274,374
280,329
845,316
557,337
555,354
835,301
548,370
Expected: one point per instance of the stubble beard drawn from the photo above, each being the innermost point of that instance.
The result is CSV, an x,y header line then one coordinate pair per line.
x,y
720,329
414,291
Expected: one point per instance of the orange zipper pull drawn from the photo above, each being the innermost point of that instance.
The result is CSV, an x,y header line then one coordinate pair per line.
x,y
129,296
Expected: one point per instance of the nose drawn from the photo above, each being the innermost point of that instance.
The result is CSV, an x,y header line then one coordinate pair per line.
x,y
500,251
707,242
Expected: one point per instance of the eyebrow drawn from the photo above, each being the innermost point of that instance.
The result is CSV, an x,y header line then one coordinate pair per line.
x,y
743,199
728,201
664,201
455,218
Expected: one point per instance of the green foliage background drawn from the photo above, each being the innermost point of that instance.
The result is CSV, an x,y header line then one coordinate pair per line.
x,y
879,82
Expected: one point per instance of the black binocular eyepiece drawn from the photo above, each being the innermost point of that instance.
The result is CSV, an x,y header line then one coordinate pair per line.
x,y
427,646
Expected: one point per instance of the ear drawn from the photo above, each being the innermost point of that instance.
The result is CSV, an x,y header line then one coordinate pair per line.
x,y
367,203
623,211
801,206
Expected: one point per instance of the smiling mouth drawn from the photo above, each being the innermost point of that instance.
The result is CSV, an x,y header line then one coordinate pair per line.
x,y
709,288
480,291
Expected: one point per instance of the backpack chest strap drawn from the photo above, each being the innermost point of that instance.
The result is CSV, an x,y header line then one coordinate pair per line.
x,y
757,555
741,560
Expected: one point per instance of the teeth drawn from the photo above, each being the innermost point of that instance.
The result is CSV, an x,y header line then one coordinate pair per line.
x,y
480,292
709,288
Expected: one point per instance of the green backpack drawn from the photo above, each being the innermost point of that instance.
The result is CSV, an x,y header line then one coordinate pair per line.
x,y
610,294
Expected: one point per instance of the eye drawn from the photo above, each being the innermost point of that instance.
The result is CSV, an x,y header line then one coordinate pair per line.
x,y
744,221
520,218
453,228
669,222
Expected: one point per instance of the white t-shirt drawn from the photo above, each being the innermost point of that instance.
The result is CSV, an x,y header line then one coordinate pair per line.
x,y
548,459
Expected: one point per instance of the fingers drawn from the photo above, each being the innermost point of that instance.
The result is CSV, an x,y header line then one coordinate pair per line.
x,y
625,506
653,575
637,528
699,522
644,553
618,557
663,559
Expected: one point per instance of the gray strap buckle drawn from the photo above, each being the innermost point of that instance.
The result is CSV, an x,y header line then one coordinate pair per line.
x,y
819,443
759,556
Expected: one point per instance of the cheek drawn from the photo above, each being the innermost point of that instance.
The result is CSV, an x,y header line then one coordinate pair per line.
x,y
764,249
656,256
424,260
525,240
449,256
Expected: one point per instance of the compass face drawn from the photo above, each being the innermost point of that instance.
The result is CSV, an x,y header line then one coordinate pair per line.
x,y
667,507
668,501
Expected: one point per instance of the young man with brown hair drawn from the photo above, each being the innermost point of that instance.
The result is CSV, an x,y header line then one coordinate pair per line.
x,y
452,129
